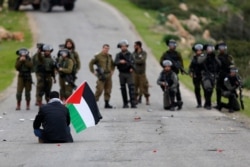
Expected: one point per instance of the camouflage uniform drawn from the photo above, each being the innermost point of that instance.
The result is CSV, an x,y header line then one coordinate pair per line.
x,y
45,72
103,62
140,79
35,62
65,77
24,80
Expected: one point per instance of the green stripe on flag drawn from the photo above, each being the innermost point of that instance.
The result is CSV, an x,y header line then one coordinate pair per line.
x,y
76,119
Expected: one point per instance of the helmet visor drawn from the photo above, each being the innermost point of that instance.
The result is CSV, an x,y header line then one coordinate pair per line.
x,y
172,44
23,52
222,47
210,48
198,47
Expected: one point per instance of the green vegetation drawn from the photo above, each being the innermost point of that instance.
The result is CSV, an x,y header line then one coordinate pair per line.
x,y
144,21
12,21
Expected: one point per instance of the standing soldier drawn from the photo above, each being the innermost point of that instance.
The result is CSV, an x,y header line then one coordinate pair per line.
x,y
35,69
45,72
210,69
226,62
195,72
168,82
104,72
65,69
70,45
140,78
24,67
177,65
125,64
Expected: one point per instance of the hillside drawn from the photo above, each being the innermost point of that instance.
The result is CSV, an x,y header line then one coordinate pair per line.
x,y
208,21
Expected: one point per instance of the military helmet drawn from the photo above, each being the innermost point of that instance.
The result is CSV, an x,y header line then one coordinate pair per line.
x,y
233,68
63,52
221,46
22,52
167,63
197,47
39,45
123,42
209,47
47,47
171,42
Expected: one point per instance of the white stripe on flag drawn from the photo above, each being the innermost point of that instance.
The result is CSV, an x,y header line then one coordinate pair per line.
x,y
85,113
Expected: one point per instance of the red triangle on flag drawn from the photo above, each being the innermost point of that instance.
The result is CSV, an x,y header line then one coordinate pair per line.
x,y
76,97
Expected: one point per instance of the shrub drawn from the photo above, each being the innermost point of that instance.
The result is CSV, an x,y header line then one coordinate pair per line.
x,y
167,37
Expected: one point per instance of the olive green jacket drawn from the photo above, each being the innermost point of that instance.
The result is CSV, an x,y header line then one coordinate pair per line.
x,y
140,62
103,61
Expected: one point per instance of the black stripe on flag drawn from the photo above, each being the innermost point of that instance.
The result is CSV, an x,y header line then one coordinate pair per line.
x,y
90,100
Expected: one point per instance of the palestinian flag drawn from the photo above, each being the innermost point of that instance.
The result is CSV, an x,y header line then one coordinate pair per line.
x,y
83,109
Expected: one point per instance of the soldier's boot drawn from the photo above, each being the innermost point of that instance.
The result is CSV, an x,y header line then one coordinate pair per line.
x,y
179,105
18,107
139,99
147,100
107,105
28,105
132,95
39,103
124,96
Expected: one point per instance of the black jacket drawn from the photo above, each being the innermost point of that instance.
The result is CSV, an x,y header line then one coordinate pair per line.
x,y
54,118
128,57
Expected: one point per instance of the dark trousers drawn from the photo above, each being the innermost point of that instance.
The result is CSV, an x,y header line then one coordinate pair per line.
x,y
208,96
233,103
178,93
127,78
197,81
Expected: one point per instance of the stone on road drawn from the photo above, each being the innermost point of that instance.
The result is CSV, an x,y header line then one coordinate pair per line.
x,y
146,136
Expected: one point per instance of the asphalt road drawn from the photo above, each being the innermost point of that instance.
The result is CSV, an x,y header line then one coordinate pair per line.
x,y
186,138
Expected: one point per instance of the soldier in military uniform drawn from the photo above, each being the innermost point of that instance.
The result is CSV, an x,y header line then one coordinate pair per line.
x,y
226,62
24,81
210,69
65,69
125,64
104,72
229,87
45,72
70,45
195,69
35,69
177,65
168,82
140,78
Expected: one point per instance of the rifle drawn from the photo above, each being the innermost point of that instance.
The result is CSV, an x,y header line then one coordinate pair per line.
x,y
178,65
240,93
100,73
70,79
241,98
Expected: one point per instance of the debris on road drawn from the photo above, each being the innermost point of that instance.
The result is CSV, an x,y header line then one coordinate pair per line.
x,y
137,118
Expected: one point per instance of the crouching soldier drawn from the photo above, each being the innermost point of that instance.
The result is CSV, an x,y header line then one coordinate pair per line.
x,y
231,84
168,82
24,81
